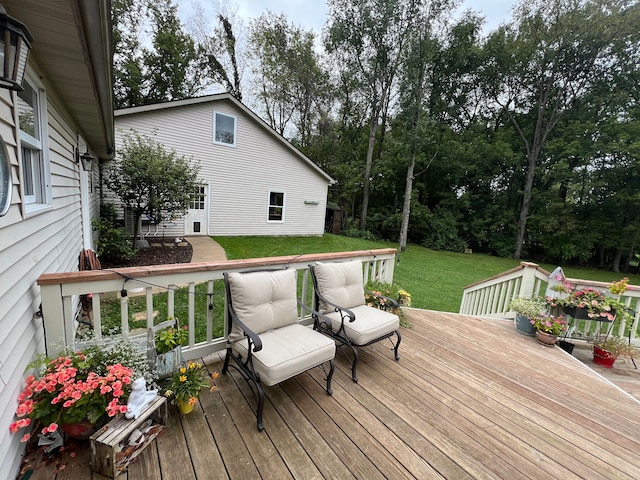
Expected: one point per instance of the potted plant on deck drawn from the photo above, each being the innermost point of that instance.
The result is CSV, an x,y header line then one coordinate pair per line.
x,y
186,383
548,327
526,309
607,348
74,393
165,342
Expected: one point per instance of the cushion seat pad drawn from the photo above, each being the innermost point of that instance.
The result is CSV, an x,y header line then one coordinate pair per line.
x,y
370,323
288,351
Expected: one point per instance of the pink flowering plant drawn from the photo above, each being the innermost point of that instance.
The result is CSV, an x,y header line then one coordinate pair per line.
x,y
72,389
598,304
549,323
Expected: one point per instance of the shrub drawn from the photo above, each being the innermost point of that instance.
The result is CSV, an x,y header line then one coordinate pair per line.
x,y
113,240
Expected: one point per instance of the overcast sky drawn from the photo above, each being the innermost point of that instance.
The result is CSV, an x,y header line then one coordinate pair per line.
x,y
311,14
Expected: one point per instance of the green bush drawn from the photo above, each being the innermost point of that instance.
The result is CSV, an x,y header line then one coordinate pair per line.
x,y
113,240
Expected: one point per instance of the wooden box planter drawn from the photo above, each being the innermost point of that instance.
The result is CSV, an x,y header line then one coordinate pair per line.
x,y
110,452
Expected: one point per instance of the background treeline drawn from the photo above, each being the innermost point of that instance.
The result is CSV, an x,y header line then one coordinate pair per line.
x,y
523,141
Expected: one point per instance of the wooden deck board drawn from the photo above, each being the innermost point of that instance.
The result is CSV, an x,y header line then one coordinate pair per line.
x,y
469,398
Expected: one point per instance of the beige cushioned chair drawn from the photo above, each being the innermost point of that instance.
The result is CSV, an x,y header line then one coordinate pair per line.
x,y
266,342
340,296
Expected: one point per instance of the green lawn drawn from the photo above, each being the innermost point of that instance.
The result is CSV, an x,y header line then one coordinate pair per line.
x,y
435,279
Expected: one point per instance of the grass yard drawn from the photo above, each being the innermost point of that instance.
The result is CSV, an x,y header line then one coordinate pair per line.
x,y
434,279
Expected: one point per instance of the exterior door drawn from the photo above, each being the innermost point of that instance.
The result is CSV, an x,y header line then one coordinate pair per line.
x,y
196,219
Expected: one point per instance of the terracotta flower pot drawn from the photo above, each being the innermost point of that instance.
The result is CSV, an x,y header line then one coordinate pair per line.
x,y
546,339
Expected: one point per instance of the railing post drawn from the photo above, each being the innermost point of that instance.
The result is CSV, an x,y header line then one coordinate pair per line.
x,y
527,286
53,319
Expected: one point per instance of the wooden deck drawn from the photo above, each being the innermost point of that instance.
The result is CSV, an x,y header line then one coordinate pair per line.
x,y
470,399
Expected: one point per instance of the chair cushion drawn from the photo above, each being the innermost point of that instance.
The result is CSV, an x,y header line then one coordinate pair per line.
x,y
288,351
370,323
263,300
340,283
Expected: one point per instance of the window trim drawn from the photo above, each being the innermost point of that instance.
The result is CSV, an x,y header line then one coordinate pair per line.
x,y
283,206
235,128
42,200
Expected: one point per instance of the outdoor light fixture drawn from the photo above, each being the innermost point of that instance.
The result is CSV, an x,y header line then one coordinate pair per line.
x,y
15,43
86,158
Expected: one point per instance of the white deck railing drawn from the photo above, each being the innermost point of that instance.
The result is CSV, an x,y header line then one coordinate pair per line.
x,y
61,291
491,297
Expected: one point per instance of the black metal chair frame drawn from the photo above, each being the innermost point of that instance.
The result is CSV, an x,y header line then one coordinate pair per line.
x,y
323,324
245,365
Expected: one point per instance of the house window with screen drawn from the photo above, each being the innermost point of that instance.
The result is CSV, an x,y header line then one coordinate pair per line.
x,y
276,206
224,129
31,108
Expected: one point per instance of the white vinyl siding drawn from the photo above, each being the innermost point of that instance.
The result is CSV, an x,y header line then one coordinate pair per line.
x,y
31,245
240,177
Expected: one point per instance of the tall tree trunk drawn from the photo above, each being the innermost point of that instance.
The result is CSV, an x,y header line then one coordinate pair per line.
x,y
526,200
406,207
373,129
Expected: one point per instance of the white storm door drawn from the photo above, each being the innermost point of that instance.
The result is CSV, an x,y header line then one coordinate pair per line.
x,y
196,219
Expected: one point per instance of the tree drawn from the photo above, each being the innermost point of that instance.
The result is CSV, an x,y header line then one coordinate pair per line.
x,y
367,39
538,68
173,68
168,67
150,180
291,84
221,47
432,84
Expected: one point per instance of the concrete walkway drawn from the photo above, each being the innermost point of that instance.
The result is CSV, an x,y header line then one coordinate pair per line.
x,y
205,249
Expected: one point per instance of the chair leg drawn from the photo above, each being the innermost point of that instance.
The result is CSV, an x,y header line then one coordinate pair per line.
x,y
330,377
395,350
260,405
225,367
354,377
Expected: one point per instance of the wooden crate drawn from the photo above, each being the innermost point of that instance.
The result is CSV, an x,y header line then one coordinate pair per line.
x,y
110,454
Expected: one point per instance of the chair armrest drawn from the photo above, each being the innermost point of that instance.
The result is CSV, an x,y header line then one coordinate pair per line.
x,y
253,338
343,311
315,313
389,302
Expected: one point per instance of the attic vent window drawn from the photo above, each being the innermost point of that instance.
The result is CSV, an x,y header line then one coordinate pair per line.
x,y
224,129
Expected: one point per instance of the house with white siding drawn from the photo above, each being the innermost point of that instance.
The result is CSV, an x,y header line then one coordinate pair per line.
x,y
47,198
253,181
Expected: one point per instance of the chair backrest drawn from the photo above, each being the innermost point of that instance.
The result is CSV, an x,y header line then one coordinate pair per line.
x,y
262,300
340,283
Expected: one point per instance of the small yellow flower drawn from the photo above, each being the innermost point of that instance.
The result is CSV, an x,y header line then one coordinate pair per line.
x,y
168,393
183,378
183,370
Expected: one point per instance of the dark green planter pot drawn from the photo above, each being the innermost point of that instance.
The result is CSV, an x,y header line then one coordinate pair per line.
x,y
523,325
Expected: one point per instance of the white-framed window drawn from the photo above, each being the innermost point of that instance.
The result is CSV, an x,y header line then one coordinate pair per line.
x,y
276,206
224,129
32,120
